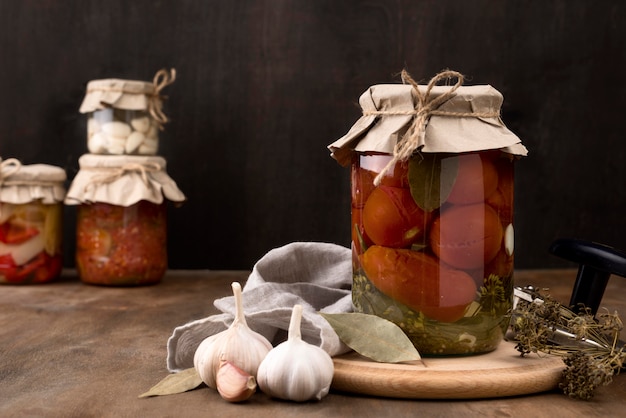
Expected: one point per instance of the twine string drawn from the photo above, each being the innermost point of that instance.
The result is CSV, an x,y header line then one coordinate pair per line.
x,y
426,106
8,168
109,175
162,79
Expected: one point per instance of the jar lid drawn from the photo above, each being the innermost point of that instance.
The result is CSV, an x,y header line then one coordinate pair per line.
x,y
21,184
454,119
122,180
129,94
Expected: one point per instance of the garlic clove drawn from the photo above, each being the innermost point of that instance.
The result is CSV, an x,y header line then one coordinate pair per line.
x,y
149,146
238,344
296,370
97,143
233,384
133,142
509,240
93,126
116,128
141,124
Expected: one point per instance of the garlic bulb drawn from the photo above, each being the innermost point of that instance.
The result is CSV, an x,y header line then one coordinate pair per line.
x,y
233,384
238,345
296,370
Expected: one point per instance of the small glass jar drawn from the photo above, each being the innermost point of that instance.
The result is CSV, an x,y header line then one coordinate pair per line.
x,y
31,212
125,116
121,219
433,247
121,246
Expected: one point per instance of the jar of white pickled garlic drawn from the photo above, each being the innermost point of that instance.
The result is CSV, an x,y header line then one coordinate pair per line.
x,y
31,211
125,116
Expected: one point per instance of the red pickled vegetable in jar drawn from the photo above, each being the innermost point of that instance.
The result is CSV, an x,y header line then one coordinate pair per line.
x,y
429,253
121,246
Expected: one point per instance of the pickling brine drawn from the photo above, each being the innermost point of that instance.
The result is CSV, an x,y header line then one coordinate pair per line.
x,y
121,246
433,247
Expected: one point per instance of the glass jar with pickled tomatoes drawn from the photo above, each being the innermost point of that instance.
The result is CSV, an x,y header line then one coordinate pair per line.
x,y
31,212
121,219
432,228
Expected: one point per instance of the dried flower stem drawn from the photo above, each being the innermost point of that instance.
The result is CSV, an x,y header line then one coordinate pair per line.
x,y
590,347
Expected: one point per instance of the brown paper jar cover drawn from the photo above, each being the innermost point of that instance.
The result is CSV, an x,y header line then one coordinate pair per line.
x,y
379,133
122,180
27,183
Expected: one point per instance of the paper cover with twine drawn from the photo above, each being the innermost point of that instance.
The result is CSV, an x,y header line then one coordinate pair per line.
x,y
468,119
316,275
122,180
20,184
129,94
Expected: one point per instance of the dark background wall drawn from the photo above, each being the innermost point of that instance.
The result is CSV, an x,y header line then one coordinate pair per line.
x,y
264,86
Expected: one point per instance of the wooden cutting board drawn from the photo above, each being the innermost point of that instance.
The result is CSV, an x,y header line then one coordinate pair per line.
x,y
496,374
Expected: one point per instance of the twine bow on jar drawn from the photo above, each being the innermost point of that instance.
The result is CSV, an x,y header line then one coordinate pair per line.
x,y
111,174
162,79
8,168
426,106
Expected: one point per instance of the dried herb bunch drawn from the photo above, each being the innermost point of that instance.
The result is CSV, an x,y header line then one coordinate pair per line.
x,y
589,345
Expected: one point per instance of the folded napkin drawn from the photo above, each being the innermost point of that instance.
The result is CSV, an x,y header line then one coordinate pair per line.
x,y
317,276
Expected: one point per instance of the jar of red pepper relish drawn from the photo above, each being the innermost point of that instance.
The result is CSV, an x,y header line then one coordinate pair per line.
x,y
31,211
432,212
121,219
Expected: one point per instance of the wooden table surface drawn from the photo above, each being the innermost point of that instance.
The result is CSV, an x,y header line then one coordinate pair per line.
x,y
73,350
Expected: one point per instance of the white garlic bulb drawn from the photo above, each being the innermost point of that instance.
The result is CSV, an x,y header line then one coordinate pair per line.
x,y
238,345
296,370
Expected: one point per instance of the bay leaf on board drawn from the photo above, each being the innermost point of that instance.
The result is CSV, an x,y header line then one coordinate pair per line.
x,y
373,337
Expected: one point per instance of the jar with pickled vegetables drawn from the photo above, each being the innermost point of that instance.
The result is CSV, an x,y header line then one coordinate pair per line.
x,y
31,212
432,213
121,219
125,116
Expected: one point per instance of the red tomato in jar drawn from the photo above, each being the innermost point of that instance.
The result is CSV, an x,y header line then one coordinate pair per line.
x,y
364,170
362,184
420,282
398,176
502,199
501,265
466,236
477,179
360,240
391,217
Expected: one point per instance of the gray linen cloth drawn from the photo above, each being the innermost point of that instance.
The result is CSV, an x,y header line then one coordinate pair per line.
x,y
316,275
